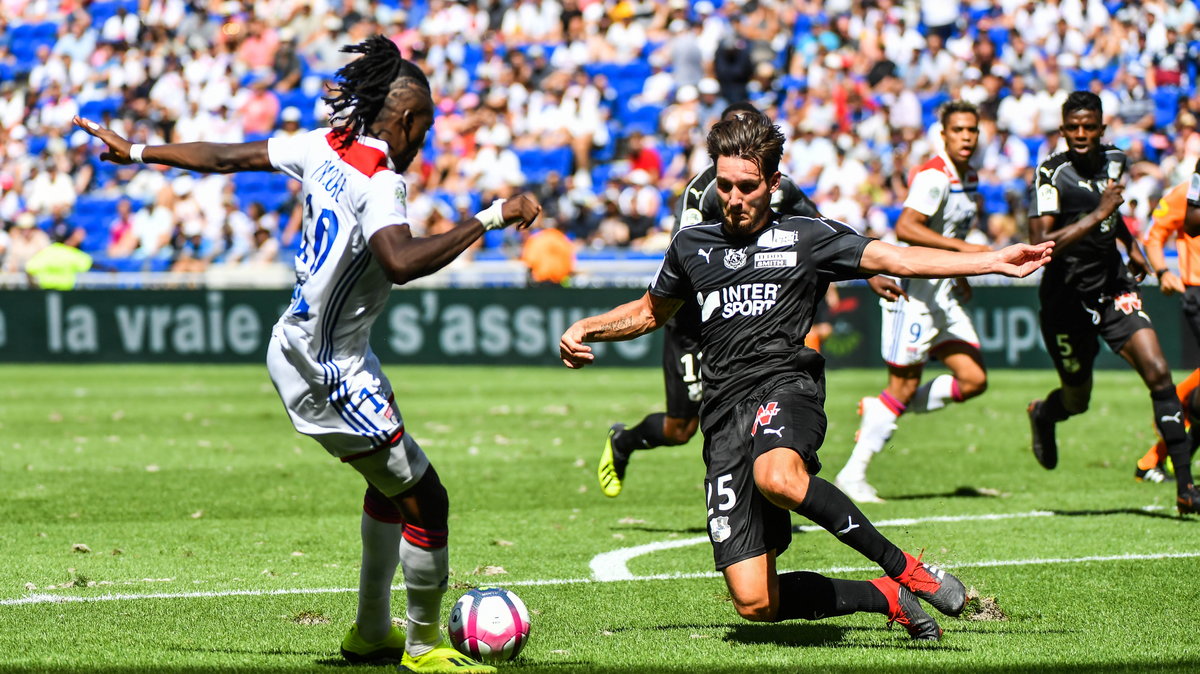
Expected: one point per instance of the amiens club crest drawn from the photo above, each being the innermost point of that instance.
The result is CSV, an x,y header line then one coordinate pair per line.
x,y
735,259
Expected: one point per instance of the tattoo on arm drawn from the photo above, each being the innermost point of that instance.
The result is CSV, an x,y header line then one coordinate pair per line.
x,y
614,328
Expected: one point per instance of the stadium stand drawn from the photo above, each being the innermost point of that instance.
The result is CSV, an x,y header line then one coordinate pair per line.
x,y
564,84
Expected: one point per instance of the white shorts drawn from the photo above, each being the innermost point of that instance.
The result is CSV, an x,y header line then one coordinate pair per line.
x,y
354,417
913,329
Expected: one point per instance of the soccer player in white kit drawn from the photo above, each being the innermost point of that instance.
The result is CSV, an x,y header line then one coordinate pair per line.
x,y
357,243
939,211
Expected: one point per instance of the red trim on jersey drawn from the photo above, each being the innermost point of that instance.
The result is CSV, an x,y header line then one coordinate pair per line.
x,y
363,158
939,163
430,539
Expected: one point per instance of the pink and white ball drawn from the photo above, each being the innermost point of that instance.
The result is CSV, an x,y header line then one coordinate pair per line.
x,y
489,624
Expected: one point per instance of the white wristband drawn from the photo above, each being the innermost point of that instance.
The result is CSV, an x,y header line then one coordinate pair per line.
x,y
135,152
491,217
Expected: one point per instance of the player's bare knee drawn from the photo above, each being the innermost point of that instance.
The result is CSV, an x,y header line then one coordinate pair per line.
x,y
781,486
971,386
1157,375
756,609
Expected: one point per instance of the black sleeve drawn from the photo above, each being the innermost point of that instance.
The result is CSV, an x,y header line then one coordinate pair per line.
x,y
789,199
690,206
1045,197
836,249
671,279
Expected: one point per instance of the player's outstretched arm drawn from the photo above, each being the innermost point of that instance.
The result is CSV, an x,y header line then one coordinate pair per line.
x,y
1018,260
633,319
405,257
203,157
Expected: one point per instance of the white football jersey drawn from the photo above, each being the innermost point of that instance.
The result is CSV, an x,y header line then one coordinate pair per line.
x,y
348,195
948,201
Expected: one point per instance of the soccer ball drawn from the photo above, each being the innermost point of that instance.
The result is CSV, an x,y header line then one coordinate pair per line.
x,y
489,624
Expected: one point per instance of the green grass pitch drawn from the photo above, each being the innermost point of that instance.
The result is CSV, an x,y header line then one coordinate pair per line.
x,y
207,536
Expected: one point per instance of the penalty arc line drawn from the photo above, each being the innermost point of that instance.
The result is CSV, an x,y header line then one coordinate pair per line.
x,y
75,599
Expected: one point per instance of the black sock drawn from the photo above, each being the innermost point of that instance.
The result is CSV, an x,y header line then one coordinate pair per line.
x,y
646,435
1168,417
811,596
826,505
1053,408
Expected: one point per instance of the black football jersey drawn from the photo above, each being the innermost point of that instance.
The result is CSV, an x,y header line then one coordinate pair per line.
x,y
699,202
1092,265
756,296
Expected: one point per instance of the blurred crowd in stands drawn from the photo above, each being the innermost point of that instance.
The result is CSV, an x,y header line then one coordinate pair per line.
x,y
598,106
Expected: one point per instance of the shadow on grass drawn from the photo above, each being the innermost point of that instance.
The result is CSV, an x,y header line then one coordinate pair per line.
x,y
801,635
1155,514
663,530
958,492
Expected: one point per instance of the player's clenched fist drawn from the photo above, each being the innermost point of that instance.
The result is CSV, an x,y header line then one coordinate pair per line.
x,y
521,210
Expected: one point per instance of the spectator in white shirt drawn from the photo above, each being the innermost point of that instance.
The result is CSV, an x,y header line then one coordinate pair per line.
x,y
1018,112
123,27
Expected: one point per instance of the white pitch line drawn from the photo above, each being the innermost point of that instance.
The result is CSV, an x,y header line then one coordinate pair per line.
x,y
69,599
614,565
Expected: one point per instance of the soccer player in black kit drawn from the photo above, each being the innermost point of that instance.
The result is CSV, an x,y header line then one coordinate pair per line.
x,y
756,279
1087,291
681,358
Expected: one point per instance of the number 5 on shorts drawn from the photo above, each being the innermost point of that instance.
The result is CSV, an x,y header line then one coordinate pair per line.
x,y
1064,345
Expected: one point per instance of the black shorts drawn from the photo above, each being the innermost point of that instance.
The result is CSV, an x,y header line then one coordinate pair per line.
x,y
742,523
1071,324
1190,304
681,363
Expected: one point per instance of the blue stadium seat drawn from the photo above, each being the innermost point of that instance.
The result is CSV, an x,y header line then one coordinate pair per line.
x,y
892,213
1034,145
1166,106
559,160
306,104
788,83
46,33
36,144
643,118
993,198
1108,73
929,106
600,175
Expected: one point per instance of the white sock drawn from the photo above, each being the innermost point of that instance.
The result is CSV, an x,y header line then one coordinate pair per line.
x,y
878,424
380,555
933,395
426,571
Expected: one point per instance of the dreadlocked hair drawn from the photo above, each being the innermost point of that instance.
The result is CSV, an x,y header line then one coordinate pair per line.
x,y
362,86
